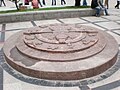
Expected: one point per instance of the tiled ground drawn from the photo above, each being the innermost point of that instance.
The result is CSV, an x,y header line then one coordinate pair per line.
x,y
71,21
110,24
43,22
18,25
94,19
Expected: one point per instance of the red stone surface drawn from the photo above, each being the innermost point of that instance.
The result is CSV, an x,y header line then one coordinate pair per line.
x,y
66,43
61,51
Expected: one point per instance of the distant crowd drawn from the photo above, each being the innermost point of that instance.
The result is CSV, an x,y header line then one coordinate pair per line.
x,y
43,2
94,4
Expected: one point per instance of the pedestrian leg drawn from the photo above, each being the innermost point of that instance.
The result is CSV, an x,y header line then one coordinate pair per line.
x,y
53,2
106,12
98,9
43,2
117,5
2,1
63,1
39,3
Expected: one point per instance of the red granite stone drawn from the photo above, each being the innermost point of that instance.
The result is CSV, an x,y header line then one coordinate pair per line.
x,y
61,51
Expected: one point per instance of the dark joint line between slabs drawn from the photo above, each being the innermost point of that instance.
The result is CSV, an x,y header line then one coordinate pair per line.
x,y
59,20
2,38
1,78
33,23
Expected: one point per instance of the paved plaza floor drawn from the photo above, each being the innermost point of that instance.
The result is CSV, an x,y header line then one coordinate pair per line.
x,y
109,24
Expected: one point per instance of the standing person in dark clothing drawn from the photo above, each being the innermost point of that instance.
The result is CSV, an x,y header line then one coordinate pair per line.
x,y
98,6
2,1
117,5
53,2
63,1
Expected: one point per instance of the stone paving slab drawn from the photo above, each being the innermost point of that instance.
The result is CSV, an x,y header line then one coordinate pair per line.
x,y
114,11
10,79
118,88
111,17
112,79
1,45
6,8
12,86
72,20
43,22
11,83
94,19
18,25
118,22
93,25
9,33
9,4
49,88
117,37
109,25
117,31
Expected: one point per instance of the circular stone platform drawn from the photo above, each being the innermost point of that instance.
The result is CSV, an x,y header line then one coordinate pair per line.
x,y
61,51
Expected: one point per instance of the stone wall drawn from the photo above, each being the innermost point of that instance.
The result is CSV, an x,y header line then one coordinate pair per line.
x,y
44,15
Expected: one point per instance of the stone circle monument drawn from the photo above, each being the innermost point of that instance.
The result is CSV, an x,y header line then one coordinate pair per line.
x,y
61,51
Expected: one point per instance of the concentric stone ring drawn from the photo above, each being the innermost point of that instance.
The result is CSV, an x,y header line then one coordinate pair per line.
x,y
61,51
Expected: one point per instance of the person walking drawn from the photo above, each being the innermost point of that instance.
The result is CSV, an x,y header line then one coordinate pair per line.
x,y
63,1
2,1
98,6
53,2
117,5
106,4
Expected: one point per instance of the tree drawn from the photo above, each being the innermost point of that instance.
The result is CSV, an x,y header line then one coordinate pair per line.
x,y
77,2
